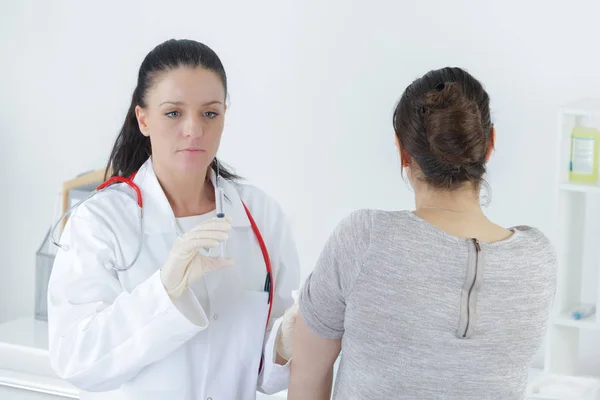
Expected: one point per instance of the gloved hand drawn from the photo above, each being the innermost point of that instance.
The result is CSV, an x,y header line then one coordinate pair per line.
x,y
185,264
284,342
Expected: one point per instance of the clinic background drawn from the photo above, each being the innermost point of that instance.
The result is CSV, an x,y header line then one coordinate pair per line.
x,y
312,88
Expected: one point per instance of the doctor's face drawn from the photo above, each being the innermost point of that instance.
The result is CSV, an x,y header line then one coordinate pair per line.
x,y
184,117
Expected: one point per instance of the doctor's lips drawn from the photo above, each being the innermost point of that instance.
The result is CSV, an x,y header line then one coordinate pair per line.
x,y
192,150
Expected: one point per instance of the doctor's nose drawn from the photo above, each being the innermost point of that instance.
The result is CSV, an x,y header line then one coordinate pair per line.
x,y
193,128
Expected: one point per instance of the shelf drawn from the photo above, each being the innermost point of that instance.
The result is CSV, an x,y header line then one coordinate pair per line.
x,y
587,323
583,107
576,244
559,386
580,187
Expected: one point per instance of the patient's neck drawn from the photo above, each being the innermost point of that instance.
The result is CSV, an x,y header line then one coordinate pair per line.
x,y
457,212
463,200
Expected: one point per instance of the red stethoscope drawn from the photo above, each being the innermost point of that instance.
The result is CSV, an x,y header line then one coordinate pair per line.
x,y
268,287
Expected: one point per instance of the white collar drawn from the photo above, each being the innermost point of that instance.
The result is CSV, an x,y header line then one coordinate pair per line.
x,y
158,214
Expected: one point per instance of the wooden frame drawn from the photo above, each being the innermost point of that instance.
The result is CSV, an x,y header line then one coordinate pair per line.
x,y
84,179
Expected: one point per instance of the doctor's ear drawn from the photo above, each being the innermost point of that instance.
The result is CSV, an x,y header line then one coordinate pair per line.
x,y
141,119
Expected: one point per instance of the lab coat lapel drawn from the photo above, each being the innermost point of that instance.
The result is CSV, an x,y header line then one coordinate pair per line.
x,y
158,214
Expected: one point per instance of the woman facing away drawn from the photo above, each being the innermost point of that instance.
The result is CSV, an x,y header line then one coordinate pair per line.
x,y
438,302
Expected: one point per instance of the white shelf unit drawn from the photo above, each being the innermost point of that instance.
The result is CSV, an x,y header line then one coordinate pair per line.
x,y
578,213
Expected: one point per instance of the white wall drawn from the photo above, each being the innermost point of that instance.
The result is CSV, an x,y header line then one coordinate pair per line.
x,y
312,84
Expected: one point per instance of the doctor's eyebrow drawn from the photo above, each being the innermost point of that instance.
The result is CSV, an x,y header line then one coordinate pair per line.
x,y
181,103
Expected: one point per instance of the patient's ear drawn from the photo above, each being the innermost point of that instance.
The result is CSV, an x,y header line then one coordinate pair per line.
x,y
404,157
491,144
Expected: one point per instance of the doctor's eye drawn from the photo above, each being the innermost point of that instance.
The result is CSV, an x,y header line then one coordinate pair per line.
x,y
211,115
173,114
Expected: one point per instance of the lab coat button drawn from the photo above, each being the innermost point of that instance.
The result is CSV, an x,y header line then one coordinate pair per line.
x,y
210,398
215,317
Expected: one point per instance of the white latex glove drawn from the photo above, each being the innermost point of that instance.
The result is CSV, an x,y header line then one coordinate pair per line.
x,y
284,344
185,264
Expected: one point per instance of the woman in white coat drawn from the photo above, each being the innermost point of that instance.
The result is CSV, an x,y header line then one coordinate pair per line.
x,y
180,323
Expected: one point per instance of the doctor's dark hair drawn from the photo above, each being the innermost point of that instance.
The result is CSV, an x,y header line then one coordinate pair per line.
x,y
131,149
443,124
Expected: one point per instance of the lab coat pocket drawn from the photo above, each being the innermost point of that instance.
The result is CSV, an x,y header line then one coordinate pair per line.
x,y
254,319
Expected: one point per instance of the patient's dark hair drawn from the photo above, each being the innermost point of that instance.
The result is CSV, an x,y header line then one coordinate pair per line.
x,y
132,149
443,124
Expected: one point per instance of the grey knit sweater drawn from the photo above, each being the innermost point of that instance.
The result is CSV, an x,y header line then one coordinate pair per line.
x,y
427,315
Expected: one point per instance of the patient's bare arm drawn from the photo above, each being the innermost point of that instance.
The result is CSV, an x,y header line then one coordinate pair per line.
x,y
312,364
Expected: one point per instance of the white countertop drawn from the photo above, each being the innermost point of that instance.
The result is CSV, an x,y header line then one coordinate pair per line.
x,y
24,360
25,364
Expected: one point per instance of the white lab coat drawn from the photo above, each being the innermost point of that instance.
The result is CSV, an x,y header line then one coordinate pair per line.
x,y
119,336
